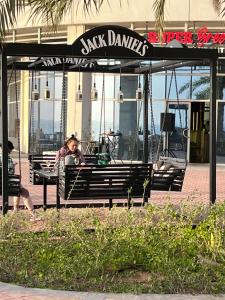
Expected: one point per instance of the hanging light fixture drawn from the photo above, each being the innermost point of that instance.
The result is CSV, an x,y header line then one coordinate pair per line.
x,y
94,92
139,92
79,95
47,90
120,95
35,92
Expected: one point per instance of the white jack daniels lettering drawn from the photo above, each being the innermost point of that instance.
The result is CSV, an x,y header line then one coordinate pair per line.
x,y
113,39
53,61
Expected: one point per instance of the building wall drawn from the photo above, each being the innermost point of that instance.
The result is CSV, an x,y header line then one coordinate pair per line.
x,y
129,11
179,15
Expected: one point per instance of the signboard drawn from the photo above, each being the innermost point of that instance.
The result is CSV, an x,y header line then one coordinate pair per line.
x,y
112,41
202,37
109,41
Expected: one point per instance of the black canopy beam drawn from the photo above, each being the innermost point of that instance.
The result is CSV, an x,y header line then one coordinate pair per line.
x,y
126,64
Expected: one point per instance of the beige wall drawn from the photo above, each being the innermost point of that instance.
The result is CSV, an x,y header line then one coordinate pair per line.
x,y
134,11
133,14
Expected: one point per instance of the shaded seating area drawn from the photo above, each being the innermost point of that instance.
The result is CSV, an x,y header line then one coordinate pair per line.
x,y
136,59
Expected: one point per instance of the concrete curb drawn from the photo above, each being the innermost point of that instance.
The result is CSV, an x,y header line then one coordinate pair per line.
x,y
11,292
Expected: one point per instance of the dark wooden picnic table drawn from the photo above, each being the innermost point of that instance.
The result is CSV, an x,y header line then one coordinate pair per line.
x,y
49,177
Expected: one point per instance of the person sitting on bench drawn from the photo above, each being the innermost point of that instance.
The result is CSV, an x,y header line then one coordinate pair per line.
x,y
24,193
70,149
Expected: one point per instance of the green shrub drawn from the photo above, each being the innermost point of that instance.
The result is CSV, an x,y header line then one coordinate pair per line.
x,y
153,249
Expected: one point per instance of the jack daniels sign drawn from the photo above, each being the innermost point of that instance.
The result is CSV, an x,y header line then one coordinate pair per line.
x,y
107,42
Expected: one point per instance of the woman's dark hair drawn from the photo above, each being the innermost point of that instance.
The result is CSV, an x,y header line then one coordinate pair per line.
x,y
72,138
10,145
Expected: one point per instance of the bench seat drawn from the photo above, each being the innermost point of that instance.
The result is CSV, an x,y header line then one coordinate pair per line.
x,y
13,184
168,174
115,181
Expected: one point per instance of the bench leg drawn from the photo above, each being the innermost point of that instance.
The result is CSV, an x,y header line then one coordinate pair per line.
x,y
145,200
57,195
44,193
129,202
110,204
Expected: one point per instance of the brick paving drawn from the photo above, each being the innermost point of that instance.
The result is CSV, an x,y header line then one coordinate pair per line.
x,y
195,188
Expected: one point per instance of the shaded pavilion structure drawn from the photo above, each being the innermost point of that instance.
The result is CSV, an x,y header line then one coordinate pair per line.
x,y
105,49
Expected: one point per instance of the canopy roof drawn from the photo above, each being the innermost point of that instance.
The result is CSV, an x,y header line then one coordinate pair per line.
x,y
105,49
109,49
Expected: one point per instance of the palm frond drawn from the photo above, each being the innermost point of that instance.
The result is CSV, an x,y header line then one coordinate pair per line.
x,y
51,12
159,12
184,87
9,11
196,84
203,83
222,10
217,5
200,82
203,94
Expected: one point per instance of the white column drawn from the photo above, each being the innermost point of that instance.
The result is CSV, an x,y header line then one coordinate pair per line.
x,y
78,113
24,112
86,108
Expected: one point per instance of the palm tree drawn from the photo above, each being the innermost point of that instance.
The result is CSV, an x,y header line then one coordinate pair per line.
x,y
52,11
49,11
159,11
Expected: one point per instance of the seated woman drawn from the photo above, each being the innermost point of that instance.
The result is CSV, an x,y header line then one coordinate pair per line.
x,y
70,148
24,193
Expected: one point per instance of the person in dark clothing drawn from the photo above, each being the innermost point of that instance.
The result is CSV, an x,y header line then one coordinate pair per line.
x,y
24,193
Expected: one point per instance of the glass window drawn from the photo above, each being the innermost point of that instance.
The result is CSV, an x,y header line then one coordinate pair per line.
x,y
158,86
14,95
46,127
221,133
108,82
221,87
14,120
200,87
178,86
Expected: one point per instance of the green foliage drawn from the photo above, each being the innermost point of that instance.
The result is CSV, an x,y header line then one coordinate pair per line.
x,y
153,249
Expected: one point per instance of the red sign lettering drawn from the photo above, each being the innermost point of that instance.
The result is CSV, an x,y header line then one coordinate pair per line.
x,y
203,37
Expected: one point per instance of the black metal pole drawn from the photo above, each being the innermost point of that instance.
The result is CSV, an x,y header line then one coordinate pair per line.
x,y
212,130
145,120
4,126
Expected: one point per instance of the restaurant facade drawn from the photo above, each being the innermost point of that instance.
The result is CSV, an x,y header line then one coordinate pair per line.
x,y
180,90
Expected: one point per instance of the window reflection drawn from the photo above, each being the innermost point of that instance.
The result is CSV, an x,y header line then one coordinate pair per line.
x,y
46,126
14,96
221,133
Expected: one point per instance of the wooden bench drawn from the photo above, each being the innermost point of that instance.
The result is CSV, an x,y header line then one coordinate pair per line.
x,y
169,175
115,181
40,161
13,184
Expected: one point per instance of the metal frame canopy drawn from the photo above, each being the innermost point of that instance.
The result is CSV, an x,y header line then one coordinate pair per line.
x,y
108,49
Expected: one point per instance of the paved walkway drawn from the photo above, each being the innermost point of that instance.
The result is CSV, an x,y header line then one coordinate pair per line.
x,y
12,292
195,188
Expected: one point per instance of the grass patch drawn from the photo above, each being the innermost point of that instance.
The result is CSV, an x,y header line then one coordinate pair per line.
x,y
148,250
